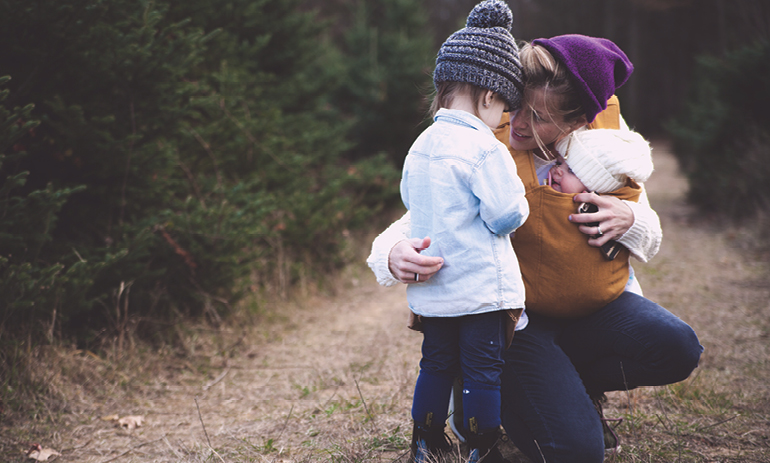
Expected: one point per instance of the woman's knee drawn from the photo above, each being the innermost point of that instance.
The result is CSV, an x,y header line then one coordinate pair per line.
x,y
682,351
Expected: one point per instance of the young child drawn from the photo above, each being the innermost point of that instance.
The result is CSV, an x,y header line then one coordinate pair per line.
x,y
461,187
604,161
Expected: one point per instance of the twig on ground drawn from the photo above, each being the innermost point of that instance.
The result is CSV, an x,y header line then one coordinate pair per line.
x,y
625,384
200,417
665,414
330,398
628,399
286,422
68,449
703,428
280,433
217,454
217,379
363,401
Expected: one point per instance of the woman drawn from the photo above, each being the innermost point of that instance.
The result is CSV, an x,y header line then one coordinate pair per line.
x,y
558,366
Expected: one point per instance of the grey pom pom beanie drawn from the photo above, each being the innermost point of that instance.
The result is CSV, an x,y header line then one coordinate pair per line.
x,y
484,53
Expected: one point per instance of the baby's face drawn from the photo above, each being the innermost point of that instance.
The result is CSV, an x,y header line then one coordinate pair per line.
x,y
562,178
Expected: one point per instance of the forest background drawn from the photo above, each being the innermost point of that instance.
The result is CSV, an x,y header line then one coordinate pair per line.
x,y
163,161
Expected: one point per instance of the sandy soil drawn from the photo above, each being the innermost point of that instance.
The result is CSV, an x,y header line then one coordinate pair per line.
x,y
331,379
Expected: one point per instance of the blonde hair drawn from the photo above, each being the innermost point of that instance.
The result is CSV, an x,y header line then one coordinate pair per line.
x,y
562,101
447,91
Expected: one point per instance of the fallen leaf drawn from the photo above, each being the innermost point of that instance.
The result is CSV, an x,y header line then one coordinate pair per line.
x,y
131,422
40,454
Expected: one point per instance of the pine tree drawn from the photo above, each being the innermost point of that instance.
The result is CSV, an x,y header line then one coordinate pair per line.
x,y
192,150
722,137
389,63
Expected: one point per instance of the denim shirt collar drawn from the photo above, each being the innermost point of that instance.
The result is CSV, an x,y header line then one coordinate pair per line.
x,y
460,117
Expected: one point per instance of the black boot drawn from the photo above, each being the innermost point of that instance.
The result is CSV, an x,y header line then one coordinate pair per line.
x,y
429,444
611,439
484,446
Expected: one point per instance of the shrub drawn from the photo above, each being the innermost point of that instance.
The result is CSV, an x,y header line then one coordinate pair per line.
x,y
722,139
388,74
186,153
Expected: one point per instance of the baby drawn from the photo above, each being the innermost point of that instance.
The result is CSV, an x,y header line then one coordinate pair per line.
x,y
600,160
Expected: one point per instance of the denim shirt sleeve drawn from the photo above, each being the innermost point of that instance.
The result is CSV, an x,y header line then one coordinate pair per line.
x,y
503,205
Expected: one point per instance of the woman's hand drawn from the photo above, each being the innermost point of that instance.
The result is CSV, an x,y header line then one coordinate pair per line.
x,y
614,217
408,265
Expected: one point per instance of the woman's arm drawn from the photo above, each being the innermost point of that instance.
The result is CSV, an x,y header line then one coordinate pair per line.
x,y
396,258
644,237
634,225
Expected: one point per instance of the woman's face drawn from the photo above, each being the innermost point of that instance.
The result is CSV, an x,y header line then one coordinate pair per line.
x,y
534,116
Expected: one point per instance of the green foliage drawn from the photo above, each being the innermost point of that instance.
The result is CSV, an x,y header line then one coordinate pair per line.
x,y
722,139
187,152
388,75
28,284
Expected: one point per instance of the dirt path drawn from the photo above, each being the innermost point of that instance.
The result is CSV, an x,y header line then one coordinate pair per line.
x,y
332,380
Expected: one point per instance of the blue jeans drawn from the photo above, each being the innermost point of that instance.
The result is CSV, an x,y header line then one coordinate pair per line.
x,y
470,346
554,366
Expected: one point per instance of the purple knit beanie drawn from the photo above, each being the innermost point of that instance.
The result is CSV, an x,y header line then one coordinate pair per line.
x,y
597,66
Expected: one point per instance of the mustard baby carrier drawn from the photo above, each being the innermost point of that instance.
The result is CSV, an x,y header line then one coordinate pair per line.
x,y
563,275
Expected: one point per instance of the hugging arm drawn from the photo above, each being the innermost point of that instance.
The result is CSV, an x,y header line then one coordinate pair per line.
x,y
395,258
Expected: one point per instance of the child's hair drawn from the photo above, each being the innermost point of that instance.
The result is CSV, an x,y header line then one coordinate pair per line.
x,y
447,91
542,71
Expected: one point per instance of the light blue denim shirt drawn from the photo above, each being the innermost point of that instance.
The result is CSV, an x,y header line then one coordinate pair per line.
x,y
461,187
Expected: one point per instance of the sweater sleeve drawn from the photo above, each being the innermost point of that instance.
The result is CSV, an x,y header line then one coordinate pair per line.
x,y
644,237
378,258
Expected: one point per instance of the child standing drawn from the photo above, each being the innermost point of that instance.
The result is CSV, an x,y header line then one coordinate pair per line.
x,y
461,187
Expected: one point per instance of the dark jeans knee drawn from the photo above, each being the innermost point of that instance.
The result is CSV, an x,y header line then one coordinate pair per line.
x,y
683,353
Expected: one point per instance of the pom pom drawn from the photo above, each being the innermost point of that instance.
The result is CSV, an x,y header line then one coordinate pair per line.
x,y
491,13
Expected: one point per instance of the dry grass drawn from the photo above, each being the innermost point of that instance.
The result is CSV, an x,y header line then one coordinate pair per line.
x,y
330,378
704,275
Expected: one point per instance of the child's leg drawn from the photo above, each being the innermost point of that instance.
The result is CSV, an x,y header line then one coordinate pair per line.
x,y
439,366
482,340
